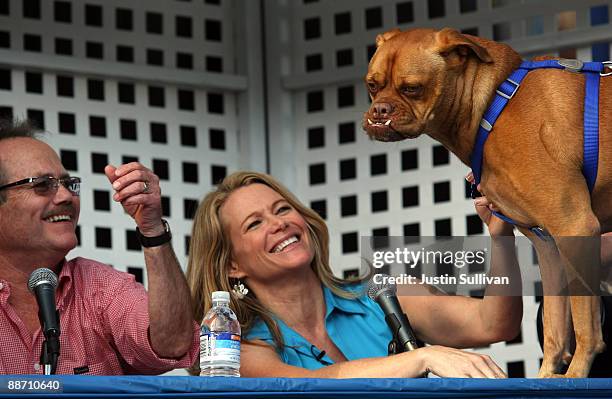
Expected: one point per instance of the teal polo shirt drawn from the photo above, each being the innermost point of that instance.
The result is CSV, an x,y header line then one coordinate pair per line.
x,y
357,327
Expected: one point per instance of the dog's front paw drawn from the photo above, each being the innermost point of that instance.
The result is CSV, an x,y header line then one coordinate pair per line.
x,y
576,374
550,375
550,371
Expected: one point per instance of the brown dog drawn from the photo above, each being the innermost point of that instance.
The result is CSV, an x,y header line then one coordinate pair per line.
x,y
440,83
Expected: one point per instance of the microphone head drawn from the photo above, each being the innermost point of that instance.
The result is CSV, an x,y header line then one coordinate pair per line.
x,y
42,276
375,290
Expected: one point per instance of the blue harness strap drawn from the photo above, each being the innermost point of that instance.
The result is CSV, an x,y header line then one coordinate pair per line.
x,y
591,129
508,89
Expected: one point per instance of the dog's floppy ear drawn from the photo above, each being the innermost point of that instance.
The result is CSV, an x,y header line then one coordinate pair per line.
x,y
450,42
380,39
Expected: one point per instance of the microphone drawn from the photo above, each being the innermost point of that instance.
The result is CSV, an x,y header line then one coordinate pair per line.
x,y
42,284
385,296
318,357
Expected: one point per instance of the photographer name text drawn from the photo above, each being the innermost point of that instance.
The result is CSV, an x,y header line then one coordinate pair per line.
x,y
445,279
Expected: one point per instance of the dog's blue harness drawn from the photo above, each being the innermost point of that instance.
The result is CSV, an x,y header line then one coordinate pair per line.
x,y
507,90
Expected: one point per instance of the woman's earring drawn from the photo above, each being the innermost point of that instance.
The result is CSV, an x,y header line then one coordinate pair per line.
x,y
240,290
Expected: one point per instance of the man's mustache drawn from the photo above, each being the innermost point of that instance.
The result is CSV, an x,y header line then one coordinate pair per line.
x,y
61,210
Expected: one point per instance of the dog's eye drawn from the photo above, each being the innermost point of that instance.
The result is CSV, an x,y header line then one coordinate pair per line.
x,y
412,90
372,87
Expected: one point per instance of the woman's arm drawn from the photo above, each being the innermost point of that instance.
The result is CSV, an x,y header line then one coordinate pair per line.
x,y
261,360
463,322
470,322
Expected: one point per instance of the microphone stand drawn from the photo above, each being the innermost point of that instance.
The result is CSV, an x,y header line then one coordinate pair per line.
x,y
50,350
395,346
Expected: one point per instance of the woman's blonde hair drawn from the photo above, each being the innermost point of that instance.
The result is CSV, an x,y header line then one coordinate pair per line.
x,y
210,254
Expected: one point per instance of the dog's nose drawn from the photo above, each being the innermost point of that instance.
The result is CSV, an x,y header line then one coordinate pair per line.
x,y
382,110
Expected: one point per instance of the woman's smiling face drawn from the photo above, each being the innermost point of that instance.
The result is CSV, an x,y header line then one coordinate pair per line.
x,y
269,237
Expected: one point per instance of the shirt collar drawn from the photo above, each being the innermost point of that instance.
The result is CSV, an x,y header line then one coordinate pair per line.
x,y
345,305
63,286
64,281
332,302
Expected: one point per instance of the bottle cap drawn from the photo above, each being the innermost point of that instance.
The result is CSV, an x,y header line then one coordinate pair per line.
x,y
220,296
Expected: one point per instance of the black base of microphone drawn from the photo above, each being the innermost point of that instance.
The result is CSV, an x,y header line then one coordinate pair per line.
x,y
403,337
50,350
49,355
393,348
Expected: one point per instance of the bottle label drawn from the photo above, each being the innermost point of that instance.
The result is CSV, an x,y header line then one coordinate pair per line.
x,y
220,347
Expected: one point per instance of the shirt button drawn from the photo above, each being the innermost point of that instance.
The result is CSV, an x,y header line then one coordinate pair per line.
x,y
36,366
1,286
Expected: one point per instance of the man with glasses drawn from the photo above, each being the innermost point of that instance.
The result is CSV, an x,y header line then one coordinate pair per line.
x,y
108,323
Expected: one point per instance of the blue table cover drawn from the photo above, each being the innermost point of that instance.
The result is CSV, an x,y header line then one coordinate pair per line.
x,y
224,387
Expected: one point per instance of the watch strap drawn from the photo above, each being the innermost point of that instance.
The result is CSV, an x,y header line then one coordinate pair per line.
x,y
156,241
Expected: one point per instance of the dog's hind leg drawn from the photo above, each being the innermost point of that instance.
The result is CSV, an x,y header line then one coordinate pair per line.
x,y
558,336
579,245
589,339
557,319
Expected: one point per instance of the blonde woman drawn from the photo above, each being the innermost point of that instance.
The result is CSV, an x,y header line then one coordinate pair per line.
x,y
299,320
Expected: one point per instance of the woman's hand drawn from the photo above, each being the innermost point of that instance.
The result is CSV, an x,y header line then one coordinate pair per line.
x,y
259,359
484,208
454,363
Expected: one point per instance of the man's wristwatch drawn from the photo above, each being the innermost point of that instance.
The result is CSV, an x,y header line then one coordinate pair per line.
x,y
156,241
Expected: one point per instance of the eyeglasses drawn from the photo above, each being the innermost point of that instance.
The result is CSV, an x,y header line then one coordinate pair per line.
x,y
48,184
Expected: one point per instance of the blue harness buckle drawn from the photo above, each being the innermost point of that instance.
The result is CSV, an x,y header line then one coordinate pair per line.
x,y
571,65
606,64
486,125
515,87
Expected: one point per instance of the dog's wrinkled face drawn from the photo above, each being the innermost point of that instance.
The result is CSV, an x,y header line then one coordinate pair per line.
x,y
408,80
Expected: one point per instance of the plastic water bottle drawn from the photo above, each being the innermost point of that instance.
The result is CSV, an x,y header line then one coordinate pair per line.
x,y
220,339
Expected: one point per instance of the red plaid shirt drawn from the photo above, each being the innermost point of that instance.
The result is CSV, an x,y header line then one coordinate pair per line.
x,y
104,321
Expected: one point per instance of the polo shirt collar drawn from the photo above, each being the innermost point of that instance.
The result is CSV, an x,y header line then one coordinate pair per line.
x,y
332,303
345,305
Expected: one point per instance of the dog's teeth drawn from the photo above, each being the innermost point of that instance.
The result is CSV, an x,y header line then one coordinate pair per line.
x,y
370,122
387,123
